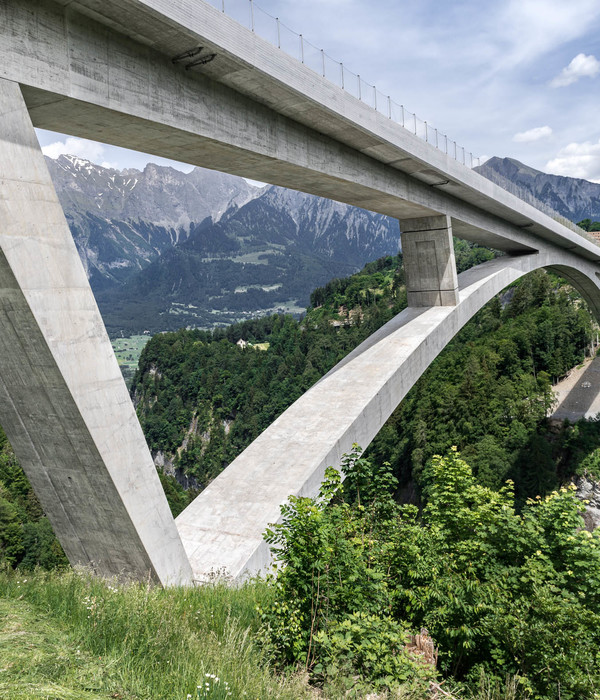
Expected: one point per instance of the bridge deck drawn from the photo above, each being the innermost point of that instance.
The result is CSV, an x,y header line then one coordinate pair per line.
x,y
251,67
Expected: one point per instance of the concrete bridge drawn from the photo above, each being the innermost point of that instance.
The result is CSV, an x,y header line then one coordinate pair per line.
x,y
105,70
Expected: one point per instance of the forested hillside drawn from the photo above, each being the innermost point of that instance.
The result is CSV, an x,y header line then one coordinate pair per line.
x,y
202,398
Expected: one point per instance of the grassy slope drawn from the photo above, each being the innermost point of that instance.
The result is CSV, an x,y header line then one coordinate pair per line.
x,y
68,636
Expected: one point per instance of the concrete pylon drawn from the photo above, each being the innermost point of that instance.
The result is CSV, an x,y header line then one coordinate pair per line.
x,y
429,263
63,402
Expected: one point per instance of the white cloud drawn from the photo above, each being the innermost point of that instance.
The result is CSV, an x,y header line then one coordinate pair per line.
x,y
539,132
82,148
577,160
525,30
581,66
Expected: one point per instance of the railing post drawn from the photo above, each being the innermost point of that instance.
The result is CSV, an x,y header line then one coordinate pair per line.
x,y
323,61
375,97
389,106
342,67
426,133
359,90
252,15
278,32
302,48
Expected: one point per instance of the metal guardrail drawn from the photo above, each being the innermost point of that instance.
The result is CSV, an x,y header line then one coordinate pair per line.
x,y
250,15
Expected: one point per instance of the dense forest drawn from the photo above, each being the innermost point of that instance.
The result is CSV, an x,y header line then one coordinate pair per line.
x,y
26,536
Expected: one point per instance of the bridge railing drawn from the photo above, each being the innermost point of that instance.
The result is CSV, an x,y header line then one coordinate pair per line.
x,y
250,15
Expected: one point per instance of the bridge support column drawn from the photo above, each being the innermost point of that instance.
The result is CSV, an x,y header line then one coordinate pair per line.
x,y
429,263
63,402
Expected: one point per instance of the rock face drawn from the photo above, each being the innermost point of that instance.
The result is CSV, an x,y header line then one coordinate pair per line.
x,y
574,198
122,220
263,257
589,491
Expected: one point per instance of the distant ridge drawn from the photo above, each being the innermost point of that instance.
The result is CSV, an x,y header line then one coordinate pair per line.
x,y
122,220
263,257
574,198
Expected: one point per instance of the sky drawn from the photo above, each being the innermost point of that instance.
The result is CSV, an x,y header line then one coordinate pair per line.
x,y
517,78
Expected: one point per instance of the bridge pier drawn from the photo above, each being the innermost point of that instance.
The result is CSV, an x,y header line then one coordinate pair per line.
x,y
63,402
429,263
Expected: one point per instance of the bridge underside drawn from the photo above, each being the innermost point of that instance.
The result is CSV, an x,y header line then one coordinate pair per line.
x,y
63,403
108,75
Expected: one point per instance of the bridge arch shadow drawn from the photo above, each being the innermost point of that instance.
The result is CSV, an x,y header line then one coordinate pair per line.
x,y
222,529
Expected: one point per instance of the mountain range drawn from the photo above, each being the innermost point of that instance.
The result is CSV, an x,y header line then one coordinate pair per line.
x,y
165,249
574,198
122,220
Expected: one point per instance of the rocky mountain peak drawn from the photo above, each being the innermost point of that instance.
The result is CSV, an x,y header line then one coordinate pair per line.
x,y
574,198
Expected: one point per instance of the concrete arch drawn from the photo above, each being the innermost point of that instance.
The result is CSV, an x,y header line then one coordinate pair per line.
x,y
222,528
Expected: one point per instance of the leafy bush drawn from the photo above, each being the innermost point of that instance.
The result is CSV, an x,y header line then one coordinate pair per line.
x,y
363,646
502,593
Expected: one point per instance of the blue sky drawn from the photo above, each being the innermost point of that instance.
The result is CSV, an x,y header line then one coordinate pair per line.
x,y
518,78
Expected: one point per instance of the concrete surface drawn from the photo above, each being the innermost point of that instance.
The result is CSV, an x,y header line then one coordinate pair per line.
x,y
63,401
254,111
429,264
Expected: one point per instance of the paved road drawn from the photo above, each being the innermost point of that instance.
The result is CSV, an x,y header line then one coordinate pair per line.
x,y
579,393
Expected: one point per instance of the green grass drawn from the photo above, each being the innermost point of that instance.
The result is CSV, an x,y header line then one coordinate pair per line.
x,y
128,351
72,636
69,636
38,659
